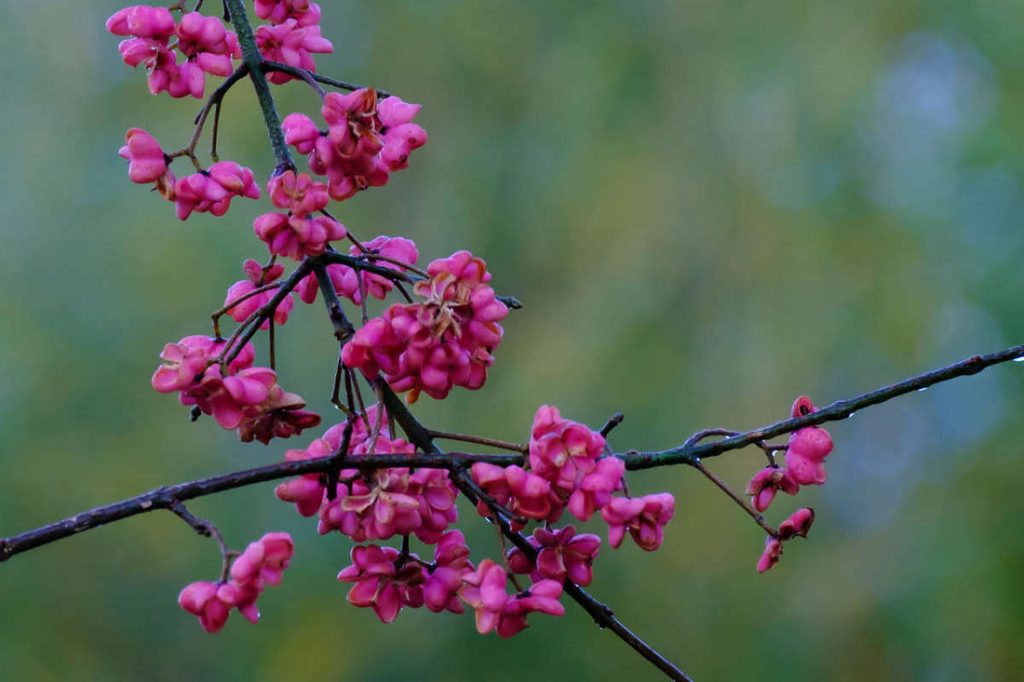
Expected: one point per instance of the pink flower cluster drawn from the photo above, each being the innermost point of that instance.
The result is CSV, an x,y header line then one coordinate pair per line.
x,y
261,564
485,590
238,395
443,342
380,504
297,234
248,303
805,461
208,191
566,469
387,580
365,142
211,190
347,282
805,465
292,42
561,554
206,45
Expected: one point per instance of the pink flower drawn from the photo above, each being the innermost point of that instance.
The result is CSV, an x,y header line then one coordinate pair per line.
x,y
365,142
524,493
245,398
300,132
766,483
296,237
594,490
382,505
202,599
212,190
142,21
563,451
147,162
562,553
299,194
307,492
263,562
306,13
444,342
149,29
382,581
207,45
436,494
644,518
808,448
185,361
798,524
541,597
293,44
256,278
484,591
451,565
279,416
770,556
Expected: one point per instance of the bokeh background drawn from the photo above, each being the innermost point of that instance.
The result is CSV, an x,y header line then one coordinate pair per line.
x,y
708,208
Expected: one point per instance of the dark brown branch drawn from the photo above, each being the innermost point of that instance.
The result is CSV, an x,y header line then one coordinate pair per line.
x,y
161,498
842,409
613,421
743,504
343,329
166,496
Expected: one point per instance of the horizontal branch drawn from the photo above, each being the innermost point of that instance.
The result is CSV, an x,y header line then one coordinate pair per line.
x,y
164,497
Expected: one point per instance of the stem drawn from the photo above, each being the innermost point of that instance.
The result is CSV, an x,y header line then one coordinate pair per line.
x,y
479,440
254,61
724,487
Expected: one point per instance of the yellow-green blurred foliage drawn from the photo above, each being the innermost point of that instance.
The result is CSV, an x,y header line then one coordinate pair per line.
x,y
707,209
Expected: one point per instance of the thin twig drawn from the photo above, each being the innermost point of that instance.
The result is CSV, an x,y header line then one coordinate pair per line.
x,y
743,504
612,422
479,440
838,410
308,75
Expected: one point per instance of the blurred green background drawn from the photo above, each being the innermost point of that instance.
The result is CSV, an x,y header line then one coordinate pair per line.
x,y
707,209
